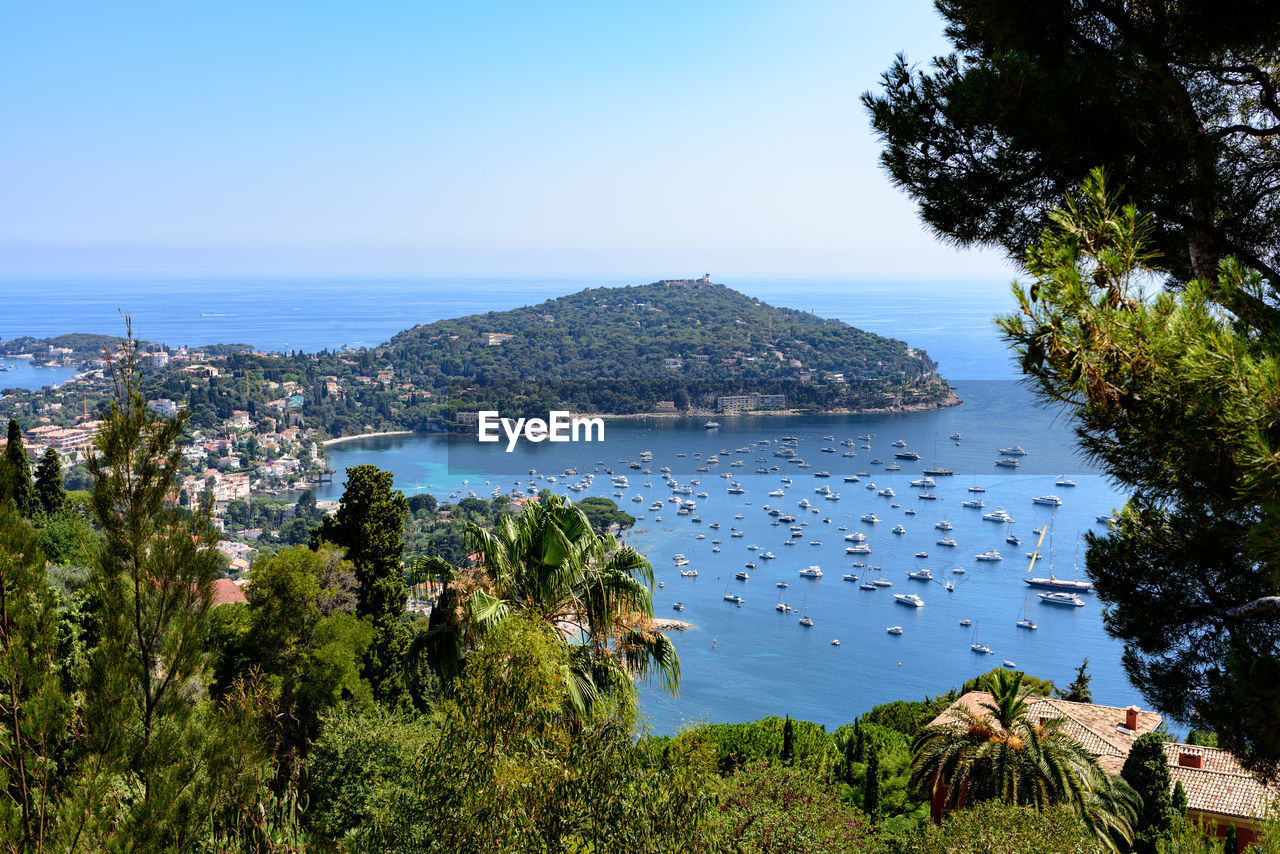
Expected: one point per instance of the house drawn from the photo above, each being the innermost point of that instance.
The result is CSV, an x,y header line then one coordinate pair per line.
x,y
225,592
1219,791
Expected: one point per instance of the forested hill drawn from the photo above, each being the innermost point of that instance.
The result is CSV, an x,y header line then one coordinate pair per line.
x,y
624,349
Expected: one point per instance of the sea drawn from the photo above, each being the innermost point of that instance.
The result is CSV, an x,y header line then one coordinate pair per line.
x,y
748,660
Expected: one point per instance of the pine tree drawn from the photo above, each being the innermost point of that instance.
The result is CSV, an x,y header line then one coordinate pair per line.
x,y
871,786
1230,845
1078,691
788,742
48,488
850,752
16,478
860,752
35,714
151,586
368,524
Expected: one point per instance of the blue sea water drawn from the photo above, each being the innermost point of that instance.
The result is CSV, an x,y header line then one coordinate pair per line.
x,y
738,663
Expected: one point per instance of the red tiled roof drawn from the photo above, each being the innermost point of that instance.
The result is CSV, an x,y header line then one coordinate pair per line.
x,y
1099,729
225,591
1220,786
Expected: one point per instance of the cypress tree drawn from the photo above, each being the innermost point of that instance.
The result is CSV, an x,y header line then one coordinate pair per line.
x,y
368,524
17,484
1229,843
48,488
1147,770
860,752
1078,691
788,742
871,786
850,750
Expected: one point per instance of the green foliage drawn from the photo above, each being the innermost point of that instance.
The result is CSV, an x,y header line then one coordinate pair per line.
x,y
1175,99
1146,769
1000,753
15,474
368,525
1078,690
495,768
68,539
37,713
603,513
1203,738
1031,684
766,808
908,716
788,742
995,828
1168,392
871,784
49,492
737,744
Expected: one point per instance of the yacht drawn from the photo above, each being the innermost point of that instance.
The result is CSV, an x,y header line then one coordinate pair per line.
x,y
910,511
908,599
977,489
679,606
851,478
855,537
822,474
898,529
981,648
849,576
1063,480
1026,623
1062,598
990,556
1105,519
1048,500
949,542
894,630
944,525
871,517
976,503
1013,540
742,576
966,622
921,574
1008,462
899,443
1015,451
711,425
767,556
867,585
777,493
906,455
688,573
859,549
806,621
997,515
956,437
887,492
835,641
924,483
922,554
811,572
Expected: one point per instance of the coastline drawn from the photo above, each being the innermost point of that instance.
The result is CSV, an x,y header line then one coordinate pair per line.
x,y
328,442
951,400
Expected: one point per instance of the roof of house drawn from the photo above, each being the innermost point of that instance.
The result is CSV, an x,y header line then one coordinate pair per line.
x,y
225,592
1100,730
1220,786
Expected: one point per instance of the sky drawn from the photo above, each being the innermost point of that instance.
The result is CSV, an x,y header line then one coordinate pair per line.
x,y
429,137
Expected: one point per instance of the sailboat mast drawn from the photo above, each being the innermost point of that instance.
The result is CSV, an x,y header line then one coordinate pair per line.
x,y
1035,553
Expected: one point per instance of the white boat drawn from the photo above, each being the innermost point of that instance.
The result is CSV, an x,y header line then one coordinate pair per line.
x,y
959,570
894,630
910,599
981,648
871,517
998,515
921,574
1063,480
1009,664
944,525
835,641
1015,451
777,493
1106,519
849,576
898,443
966,622
679,606
977,489
989,555
859,549
811,572
688,573
948,542
1048,500
767,555
1053,582
711,425
887,492
1008,462
1062,598
1025,623
742,576
898,529
856,537
973,502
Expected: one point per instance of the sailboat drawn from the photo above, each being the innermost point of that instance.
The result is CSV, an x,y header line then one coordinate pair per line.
x,y
805,619
935,471
979,648
1025,622
1052,582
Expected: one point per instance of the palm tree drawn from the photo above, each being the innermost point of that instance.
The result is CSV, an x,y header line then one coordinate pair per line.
x,y
1002,754
549,563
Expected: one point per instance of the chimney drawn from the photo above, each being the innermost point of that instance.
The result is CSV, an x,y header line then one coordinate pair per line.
x,y
1131,718
1191,760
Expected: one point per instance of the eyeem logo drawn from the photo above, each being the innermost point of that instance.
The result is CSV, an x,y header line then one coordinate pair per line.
x,y
560,426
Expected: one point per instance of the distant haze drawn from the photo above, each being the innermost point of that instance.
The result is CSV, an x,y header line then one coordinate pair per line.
x,y
419,137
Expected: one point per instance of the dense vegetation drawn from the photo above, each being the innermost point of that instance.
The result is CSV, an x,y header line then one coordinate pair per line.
x,y
1109,147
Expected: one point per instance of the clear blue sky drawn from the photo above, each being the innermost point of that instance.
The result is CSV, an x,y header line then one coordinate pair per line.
x,y
421,137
